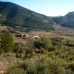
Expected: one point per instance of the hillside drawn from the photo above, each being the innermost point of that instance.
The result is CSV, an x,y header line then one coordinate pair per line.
x,y
65,21
14,15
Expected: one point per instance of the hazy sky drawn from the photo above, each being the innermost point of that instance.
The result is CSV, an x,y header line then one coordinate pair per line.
x,y
47,7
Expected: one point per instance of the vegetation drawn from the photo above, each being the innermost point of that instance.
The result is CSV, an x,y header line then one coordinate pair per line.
x,y
7,43
43,42
65,21
68,24
45,55
14,15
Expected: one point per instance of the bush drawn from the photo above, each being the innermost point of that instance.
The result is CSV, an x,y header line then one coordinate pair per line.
x,y
38,65
43,42
72,66
16,71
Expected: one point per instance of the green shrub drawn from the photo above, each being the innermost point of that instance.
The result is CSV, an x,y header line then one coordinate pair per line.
x,y
16,71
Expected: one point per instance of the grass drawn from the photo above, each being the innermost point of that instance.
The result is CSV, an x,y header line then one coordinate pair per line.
x,y
67,37
19,40
3,28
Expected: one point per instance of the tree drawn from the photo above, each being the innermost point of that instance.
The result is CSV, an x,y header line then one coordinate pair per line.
x,y
46,42
7,41
43,42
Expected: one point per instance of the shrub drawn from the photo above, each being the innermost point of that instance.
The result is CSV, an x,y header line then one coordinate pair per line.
x,y
16,71
72,66
43,42
44,65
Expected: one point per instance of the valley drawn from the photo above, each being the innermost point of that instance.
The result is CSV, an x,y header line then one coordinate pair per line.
x,y
59,32
33,43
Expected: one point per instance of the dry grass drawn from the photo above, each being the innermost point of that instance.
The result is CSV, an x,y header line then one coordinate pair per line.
x,y
3,28
63,30
19,40
43,33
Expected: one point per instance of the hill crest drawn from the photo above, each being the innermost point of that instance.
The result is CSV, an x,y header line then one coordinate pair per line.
x,y
14,15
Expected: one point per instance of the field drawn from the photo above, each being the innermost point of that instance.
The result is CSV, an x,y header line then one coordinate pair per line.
x,y
3,28
41,33
59,31
63,31
19,40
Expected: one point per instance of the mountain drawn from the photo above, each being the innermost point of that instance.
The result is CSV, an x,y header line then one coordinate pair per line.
x,y
14,15
65,21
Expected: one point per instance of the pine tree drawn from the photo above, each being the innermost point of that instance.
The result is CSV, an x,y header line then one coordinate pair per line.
x,y
7,41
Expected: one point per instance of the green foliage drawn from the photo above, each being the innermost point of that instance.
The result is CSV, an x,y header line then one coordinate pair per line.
x,y
7,41
72,66
16,70
14,15
41,60
0,41
69,24
0,45
69,43
46,42
37,65
18,49
59,20
43,42
65,21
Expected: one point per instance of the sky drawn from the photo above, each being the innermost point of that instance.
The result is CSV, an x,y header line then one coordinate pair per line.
x,y
47,7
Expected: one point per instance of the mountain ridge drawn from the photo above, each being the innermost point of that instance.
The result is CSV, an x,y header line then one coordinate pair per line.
x,y
14,15
65,21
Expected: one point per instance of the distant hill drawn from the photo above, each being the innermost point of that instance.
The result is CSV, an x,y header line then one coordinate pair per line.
x,y
65,21
14,15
